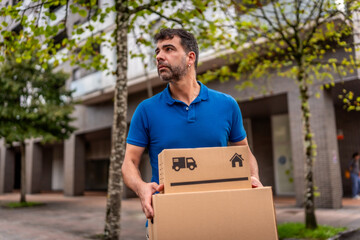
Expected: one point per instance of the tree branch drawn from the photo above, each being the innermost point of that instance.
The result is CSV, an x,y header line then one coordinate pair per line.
x,y
37,22
278,30
146,73
317,24
167,18
282,15
297,7
311,14
66,12
38,5
149,5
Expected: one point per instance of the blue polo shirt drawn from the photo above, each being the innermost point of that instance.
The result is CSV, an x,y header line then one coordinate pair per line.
x,y
161,122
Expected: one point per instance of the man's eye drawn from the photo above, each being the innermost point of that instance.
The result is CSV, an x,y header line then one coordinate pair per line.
x,y
168,49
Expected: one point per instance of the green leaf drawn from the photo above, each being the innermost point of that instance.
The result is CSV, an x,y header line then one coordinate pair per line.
x,y
79,31
74,9
52,16
90,27
82,13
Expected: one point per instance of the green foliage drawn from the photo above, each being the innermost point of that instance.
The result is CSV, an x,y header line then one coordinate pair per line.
x,y
290,39
97,236
298,231
35,102
351,102
15,205
187,14
80,49
41,30
281,36
145,19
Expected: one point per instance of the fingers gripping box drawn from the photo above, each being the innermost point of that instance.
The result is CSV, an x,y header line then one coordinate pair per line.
x,y
208,196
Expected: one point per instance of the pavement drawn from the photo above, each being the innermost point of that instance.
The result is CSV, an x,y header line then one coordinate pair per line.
x,y
75,218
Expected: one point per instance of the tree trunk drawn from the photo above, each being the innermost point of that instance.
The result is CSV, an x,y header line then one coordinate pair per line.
x,y
23,174
310,218
115,182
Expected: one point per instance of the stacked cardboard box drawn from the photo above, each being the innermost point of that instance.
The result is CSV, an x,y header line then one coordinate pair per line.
x,y
208,195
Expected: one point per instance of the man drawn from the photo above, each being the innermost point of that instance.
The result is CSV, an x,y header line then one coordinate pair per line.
x,y
185,115
354,175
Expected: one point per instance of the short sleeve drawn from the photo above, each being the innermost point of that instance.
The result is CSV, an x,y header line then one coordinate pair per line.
x,y
139,131
237,132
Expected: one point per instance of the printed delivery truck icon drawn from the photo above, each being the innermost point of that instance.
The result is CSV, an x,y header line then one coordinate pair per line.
x,y
183,162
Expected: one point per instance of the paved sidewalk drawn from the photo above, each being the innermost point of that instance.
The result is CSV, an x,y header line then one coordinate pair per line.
x,y
347,216
73,218
66,218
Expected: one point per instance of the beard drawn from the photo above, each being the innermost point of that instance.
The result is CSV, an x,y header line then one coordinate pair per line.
x,y
172,73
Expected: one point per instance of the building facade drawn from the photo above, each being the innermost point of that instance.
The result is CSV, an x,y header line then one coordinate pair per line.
x,y
272,121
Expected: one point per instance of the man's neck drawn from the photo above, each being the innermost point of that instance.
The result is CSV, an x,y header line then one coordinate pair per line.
x,y
185,90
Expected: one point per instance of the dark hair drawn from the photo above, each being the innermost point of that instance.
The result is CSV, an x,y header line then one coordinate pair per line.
x,y
355,154
187,40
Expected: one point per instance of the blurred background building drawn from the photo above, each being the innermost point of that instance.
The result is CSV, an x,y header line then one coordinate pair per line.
x,y
272,121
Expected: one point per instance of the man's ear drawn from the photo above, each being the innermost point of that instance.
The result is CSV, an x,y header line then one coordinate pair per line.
x,y
191,57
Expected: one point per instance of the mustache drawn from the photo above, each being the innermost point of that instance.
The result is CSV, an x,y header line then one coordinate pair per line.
x,y
163,64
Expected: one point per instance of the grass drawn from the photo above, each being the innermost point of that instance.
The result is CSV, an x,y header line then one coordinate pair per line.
x,y
22,204
99,236
298,230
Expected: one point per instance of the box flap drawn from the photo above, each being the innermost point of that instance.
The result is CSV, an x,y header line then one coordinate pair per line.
x,y
204,169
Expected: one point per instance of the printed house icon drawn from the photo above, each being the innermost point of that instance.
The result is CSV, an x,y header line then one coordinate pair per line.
x,y
237,159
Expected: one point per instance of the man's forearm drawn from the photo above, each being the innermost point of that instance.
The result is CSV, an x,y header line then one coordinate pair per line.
x,y
133,180
254,170
132,177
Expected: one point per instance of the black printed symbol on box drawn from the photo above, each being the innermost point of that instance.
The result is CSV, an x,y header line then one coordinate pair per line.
x,y
183,162
237,158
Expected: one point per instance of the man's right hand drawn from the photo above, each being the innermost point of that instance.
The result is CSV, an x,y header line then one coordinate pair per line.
x,y
145,192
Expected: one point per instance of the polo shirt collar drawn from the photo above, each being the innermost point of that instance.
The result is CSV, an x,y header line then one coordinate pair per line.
x,y
203,95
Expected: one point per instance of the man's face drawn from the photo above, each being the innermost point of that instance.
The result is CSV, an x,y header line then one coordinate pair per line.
x,y
170,59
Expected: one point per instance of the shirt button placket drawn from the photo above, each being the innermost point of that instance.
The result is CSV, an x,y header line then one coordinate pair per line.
x,y
191,113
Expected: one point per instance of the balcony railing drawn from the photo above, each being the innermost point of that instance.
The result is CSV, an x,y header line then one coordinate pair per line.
x,y
87,84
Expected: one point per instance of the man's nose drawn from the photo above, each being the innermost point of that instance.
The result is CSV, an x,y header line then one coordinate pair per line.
x,y
159,57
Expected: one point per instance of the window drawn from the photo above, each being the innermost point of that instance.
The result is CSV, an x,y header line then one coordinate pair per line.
x,y
55,7
17,29
76,74
79,73
15,2
59,38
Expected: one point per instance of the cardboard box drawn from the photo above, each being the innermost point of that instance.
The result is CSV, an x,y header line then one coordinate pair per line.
x,y
238,214
204,169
